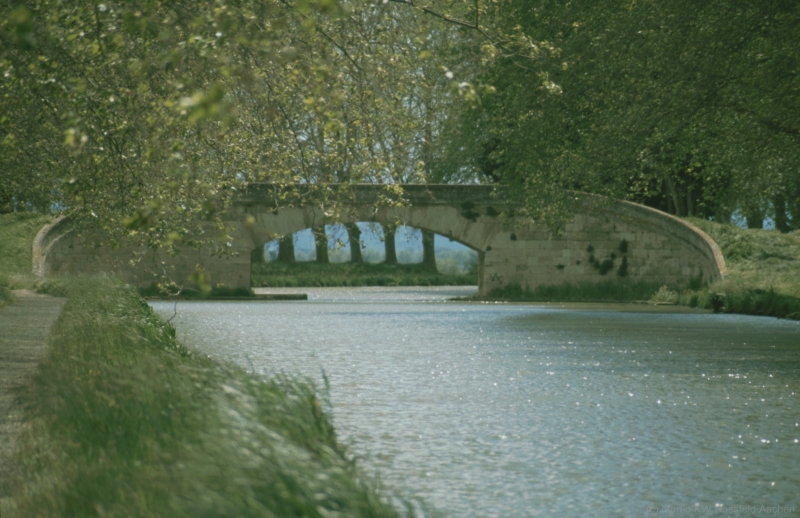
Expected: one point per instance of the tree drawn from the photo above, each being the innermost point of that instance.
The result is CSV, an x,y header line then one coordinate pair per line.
x,y
321,245
354,234
687,106
147,116
428,250
286,249
390,246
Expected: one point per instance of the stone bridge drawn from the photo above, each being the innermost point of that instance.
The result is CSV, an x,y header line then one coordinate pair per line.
x,y
606,239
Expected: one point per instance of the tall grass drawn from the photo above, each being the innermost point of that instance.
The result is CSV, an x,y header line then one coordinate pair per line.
x,y
127,422
763,273
757,259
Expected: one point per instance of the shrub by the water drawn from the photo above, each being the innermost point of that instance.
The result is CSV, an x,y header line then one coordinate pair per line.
x,y
312,274
611,290
733,298
664,295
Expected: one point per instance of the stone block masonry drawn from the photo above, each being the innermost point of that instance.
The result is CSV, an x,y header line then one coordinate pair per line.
x,y
606,239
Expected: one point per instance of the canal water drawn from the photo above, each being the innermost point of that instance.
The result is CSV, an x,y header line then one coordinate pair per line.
x,y
523,410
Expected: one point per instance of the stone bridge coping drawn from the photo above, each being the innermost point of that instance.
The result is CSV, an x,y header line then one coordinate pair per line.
x,y
655,219
690,233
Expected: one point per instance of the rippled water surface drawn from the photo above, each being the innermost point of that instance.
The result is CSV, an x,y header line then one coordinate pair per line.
x,y
521,410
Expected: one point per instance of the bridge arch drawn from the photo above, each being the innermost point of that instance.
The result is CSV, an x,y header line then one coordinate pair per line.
x,y
445,220
272,223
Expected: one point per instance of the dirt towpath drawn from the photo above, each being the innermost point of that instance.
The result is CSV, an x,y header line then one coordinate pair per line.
x,y
24,330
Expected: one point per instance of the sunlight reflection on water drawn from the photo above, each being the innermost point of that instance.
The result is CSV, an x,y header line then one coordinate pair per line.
x,y
517,410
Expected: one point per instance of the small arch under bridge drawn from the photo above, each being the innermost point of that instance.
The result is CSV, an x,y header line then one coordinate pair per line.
x,y
605,239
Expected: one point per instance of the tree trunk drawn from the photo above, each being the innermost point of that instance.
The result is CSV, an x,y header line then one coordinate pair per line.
x,y
286,249
677,200
257,254
781,222
428,251
754,221
793,203
723,215
754,216
355,242
6,201
670,204
389,243
427,147
321,245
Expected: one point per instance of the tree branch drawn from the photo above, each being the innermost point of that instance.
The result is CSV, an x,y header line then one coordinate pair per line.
x,y
448,19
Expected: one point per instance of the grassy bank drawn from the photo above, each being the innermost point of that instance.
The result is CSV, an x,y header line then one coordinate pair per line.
x,y
763,273
763,279
126,422
312,274
761,259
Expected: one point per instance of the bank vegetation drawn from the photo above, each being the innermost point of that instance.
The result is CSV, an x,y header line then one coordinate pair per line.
x,y
123,420
763,278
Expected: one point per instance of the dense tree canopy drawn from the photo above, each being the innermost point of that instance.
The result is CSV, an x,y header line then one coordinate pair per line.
x,y
693,107
154,112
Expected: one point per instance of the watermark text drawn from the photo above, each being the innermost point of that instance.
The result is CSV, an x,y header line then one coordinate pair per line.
x,y
719,510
